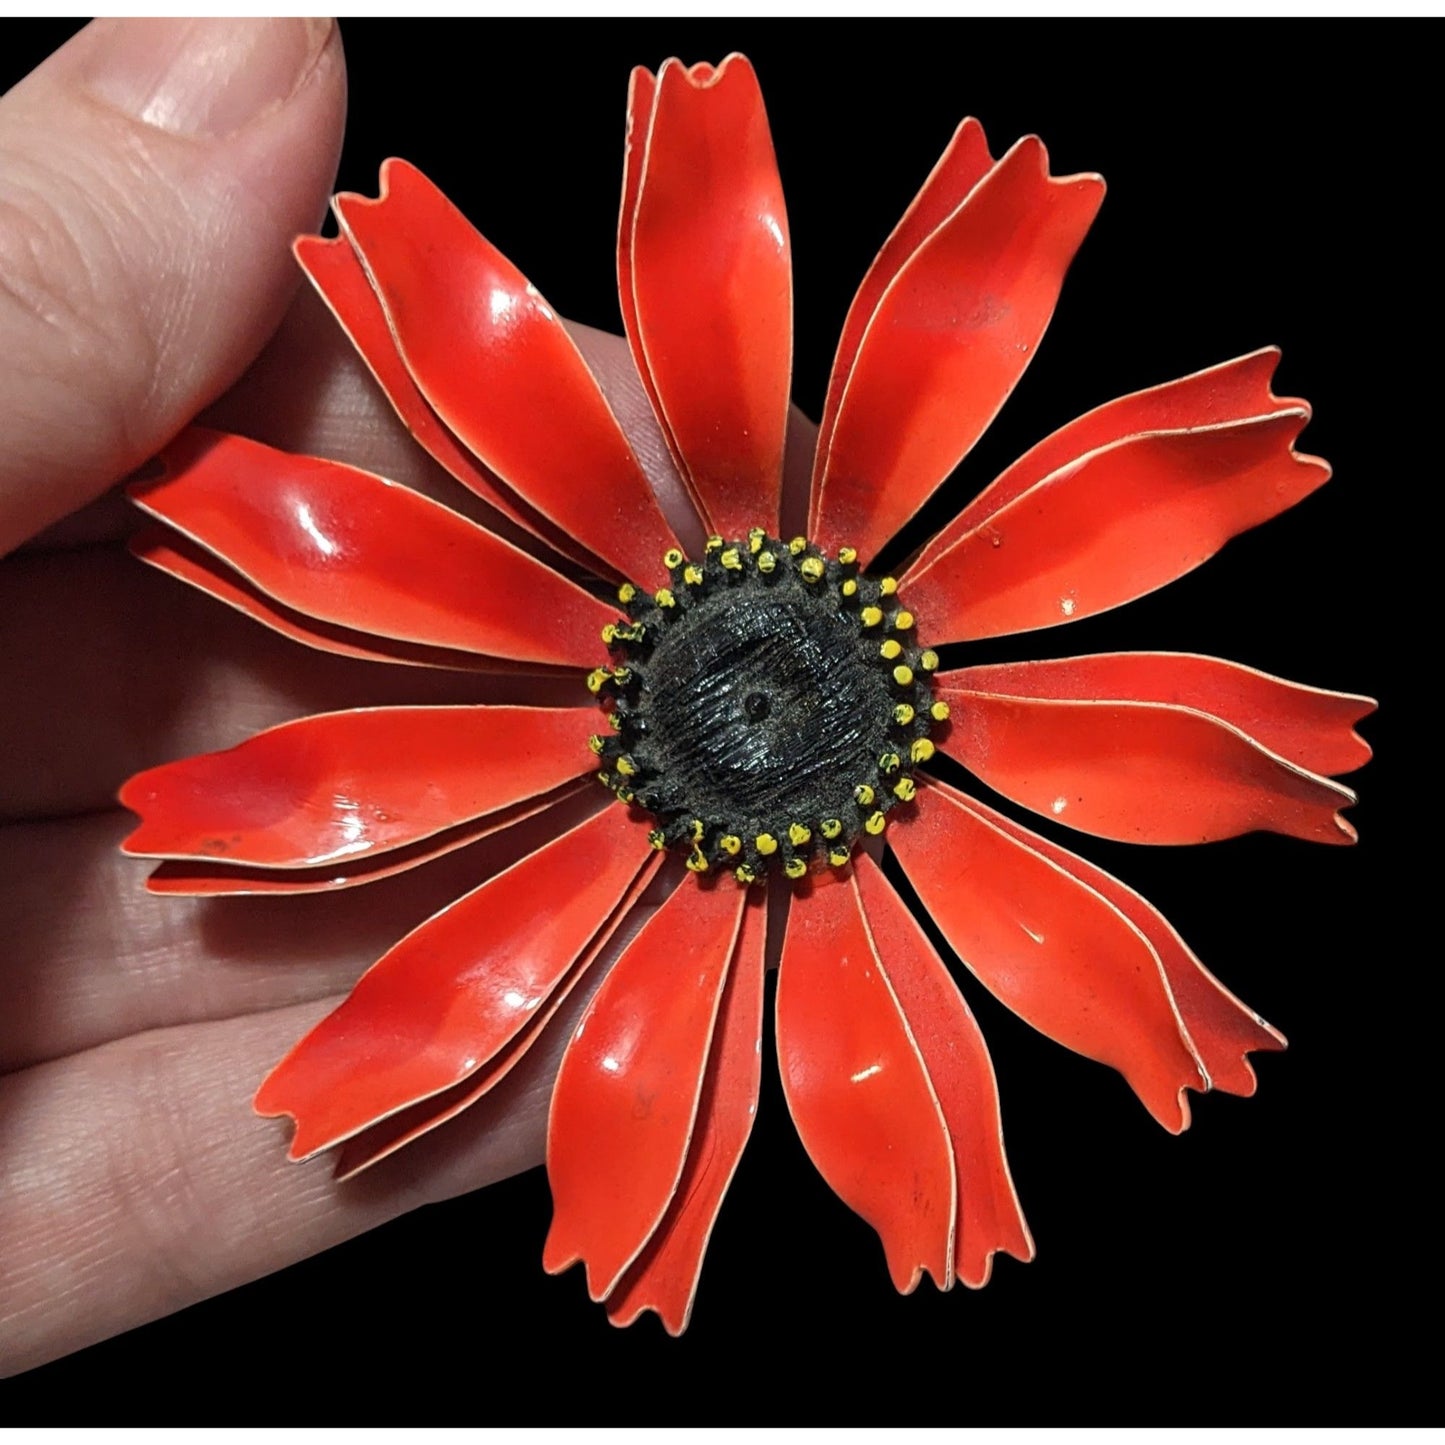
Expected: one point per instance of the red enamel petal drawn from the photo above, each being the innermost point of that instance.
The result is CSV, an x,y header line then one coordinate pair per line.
x,y
963,164
1233,391
191,879
857,1086
1140,772
1310,727
178,557
665,1275
626,1097
383,1139
710,315
353,549
1051,948
344,784
1115,525
499,369
457,989
947,343
1222,1029
953,1050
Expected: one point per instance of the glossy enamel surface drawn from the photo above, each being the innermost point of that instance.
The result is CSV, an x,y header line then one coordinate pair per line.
x,y
1309,726
1222,1030
626,1098
705,270
342,785
356,550
457,989
1142,772
664,1277
458,309
857,1085
1053,949
962,165
948,341
1117,524
1234,391
956,1058
400,1129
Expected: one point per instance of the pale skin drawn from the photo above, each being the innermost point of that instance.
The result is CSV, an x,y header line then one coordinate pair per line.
x,y
156,172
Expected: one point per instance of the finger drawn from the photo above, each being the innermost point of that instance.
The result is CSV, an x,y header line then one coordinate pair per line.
x,y
155,174
114,668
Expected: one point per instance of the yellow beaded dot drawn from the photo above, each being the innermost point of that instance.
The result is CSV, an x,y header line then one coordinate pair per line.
x,y
939,712
626,767
712,544
797,545
746,873
698,829
832,827
902,620
626,593
730,843
811,569
732,559
847,555
766,844
874,824
849,588
766,561
891,649
595,743
798,834
609,633
664,598
837,856
928,660
658,839
903,714
902,674
672,558
904,790
795,867
692,575
890,763
922,750
596,678
756,537
863,794
871,616
887,586
696,862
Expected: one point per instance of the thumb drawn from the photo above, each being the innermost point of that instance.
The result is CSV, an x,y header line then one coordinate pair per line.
x,y
152,176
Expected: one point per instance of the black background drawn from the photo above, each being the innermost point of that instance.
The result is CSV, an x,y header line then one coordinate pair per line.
x,y
1263,1267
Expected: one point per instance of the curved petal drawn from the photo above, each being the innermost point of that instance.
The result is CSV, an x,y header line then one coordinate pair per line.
x,y
961,1072
705,269
179,557
1309,726
1141,772
190,879
857,1085
356,550
963,164
1222,1029
946,345
400,1129
1232,391
664,1276
1049,947
457,989
345,784
626,1097
1113,526
499,369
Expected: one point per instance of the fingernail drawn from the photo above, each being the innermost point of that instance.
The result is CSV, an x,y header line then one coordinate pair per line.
x,y
201,77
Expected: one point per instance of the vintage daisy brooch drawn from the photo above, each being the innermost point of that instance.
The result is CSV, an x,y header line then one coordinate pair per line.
x,y
764,707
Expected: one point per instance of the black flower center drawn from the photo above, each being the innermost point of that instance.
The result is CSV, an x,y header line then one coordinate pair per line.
x,y
767,707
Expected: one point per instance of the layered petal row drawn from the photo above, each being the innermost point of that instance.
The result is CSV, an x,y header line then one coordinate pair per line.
x,y
950,328
356,551
457,990
1076,954
625,1107
705,279
1125,499
890,1085
496,365
1158,747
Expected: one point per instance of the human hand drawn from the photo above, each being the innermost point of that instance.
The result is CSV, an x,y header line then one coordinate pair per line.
x,y
155,174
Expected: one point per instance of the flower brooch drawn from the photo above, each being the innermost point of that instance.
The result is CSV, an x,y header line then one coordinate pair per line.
x,y
766,709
